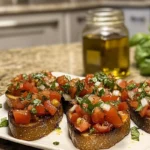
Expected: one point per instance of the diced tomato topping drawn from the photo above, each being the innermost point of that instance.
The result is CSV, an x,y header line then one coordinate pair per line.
x,y
40,109
17,104
97,115
143,111
101,129
62,80
22,116
72,91
122,84
148,113
133,103
124,95
49,107
113,117
87,90
45,93
122,106
106,98
88,77
30,107
74,117
55,95
87,117
30,87
79,110
82,125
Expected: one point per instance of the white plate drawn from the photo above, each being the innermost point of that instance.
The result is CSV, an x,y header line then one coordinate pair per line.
x,y
63,138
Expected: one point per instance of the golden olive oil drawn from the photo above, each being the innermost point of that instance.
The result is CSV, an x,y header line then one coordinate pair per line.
x,y
109,55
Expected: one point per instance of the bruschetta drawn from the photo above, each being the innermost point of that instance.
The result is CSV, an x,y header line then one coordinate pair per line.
x,y
94,124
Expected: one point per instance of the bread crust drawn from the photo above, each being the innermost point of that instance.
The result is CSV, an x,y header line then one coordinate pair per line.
x,y
85,141
36,130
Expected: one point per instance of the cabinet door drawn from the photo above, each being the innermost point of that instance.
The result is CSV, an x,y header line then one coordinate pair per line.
x,y
30,30
137,20
75,22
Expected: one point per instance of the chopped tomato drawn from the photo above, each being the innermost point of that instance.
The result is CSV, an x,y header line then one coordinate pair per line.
x,y
82,125
30,87
79,110
134,103
106,98
30,107
22,116
101,129
17,104
62,80
143,111
45,93
122,106
40,109
88,77
113,117
148,113
122,84
55,95
74,117
72,91
87,90
87,117
49,107
124,95
97,115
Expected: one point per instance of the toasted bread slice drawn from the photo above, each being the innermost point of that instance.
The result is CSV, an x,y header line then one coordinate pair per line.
x,y
86,141
142,122
36,130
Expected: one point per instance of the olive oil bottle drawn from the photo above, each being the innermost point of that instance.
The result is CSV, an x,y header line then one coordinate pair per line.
x,y
105,43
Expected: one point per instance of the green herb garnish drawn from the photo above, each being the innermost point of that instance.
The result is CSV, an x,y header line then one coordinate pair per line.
x,y
29,96
139,108
53,85
33,111
135,133
68,77
38,76
131,86
4,122
91,130
36,102
94,79
18,86
66,87
80,86
101,92
56,143
25,76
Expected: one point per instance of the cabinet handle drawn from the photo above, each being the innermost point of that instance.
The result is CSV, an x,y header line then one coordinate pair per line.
x,y
15,24
137,19
81,19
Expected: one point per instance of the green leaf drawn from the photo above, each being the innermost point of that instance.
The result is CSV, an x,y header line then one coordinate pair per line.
x,y
38,75
18,86
33,111
131,86
56,143
66,87
36,102
135,133
80,86
29,96
145,66
94,79
101,92
25,76
68,77
4,122
139,108
138,38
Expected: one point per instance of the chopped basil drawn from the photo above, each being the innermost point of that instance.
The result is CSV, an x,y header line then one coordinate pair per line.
x,y
18,86
80,86
33,111
101,92
91,130
25,76
131,86
56,143
29,96
36,102
53,85
4,122
38,76
22,98
44,97
0,105
68,77
143,85
66,87
115,103
139,108
135,133
79,99
94,79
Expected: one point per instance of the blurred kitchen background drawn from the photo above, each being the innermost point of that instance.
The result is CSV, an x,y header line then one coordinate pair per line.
x,y
26,23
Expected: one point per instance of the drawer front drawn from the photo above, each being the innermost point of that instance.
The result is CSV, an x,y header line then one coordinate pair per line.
x,y
137,20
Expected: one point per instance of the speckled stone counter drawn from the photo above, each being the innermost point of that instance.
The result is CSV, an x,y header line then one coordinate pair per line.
x,y
72,5
62,58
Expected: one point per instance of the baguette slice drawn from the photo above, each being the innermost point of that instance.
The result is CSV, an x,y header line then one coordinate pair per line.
x,y
142,122
34,131
85,141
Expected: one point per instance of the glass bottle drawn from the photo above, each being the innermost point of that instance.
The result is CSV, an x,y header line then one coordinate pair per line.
x,y
105,43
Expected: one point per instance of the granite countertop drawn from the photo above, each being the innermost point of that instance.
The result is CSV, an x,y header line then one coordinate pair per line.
x,y
72,5
60,58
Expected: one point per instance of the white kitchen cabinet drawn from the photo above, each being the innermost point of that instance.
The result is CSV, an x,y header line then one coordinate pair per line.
x,y
75,22
31,30
137,20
